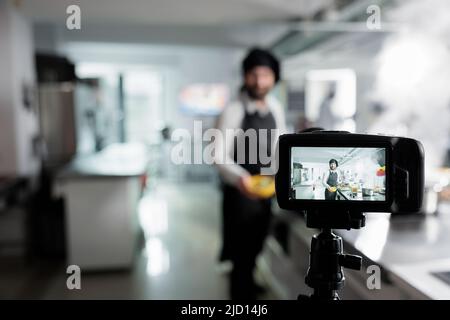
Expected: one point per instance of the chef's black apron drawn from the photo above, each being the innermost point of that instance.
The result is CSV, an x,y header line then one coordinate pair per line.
x,y
332,182
246,221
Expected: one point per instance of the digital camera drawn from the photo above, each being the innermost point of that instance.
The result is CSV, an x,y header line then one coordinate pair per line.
x,y
341,171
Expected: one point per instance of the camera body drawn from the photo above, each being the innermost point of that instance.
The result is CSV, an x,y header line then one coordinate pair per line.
x,y
337,171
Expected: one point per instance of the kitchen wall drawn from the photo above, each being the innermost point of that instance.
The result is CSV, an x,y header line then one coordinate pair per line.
x,y
18,108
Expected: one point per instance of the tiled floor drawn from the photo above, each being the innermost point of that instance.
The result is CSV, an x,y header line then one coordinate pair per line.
x,y
181,223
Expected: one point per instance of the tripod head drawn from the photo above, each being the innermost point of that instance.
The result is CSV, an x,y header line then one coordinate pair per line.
x,y
327,260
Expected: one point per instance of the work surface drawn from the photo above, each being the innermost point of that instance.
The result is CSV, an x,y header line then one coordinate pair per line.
x,y
403,239
101,195
117,160
407,248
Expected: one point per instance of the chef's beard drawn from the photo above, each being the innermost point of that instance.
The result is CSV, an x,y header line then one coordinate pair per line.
x,y
255,94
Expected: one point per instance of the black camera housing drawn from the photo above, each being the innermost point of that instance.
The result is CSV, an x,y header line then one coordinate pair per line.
x,y
404,159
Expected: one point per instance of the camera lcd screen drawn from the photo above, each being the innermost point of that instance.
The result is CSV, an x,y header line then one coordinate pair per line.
x,y
334,174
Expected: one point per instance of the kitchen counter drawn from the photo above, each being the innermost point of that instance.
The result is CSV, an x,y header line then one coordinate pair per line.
x,y
117,160
102,193
347,194
408,249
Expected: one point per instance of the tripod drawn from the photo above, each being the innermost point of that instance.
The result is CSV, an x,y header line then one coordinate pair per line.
x,y
327,260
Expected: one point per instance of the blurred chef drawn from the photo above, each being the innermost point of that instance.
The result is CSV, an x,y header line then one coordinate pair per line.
x,y
246,217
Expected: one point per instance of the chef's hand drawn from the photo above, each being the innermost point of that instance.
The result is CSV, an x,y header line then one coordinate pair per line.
x,y
244,186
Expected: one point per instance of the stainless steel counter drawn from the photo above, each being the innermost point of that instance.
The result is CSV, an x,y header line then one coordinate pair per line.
x,y
406,248
402,239
96,166
348,195
117,160
102,193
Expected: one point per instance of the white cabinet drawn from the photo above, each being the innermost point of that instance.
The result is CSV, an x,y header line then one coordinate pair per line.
x,y
101,221
101,193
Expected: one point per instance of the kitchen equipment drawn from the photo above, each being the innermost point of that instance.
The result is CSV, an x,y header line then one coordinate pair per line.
x,y
57,122
354,190
367,192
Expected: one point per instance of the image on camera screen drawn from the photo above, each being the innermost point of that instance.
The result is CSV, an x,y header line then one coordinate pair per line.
x,y
331,173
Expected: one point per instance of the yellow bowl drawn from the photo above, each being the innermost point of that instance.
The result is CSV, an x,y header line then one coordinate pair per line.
x,y
333,189
263,186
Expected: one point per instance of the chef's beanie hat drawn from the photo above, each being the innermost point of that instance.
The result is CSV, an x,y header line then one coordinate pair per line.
x,y
260,57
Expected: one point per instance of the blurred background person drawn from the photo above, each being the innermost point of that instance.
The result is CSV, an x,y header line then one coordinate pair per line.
x,y
246,217
326,118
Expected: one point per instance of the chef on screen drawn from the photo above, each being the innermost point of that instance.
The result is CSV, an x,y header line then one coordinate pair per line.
x,y
330,180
